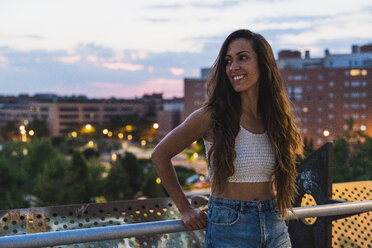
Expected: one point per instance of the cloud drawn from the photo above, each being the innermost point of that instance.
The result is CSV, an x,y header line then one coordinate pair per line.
x,y
177,71
68,59
3,59
105,85
169,87
123,66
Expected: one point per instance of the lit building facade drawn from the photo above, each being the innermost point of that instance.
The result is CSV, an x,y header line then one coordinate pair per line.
x,y
61,115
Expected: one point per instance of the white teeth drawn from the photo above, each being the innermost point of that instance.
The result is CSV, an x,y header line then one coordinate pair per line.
x,y
237,77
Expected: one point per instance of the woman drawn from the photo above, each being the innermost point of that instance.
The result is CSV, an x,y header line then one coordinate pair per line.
x,y
251,141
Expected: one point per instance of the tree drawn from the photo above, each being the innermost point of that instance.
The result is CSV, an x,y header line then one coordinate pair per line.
x,y
40,128
13,187
151,187
50,184
9,132
352,156
78,180
125,179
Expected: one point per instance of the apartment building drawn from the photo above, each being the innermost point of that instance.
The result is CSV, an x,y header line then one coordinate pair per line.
x,y
61,114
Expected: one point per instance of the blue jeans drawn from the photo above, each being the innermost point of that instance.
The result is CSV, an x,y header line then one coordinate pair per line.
x,y
248,224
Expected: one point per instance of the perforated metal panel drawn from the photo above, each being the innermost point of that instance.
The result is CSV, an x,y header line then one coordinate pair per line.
x,y
51,219
354,231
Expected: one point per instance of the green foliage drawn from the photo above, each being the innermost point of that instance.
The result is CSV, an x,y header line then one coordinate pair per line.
x,y
353,157
50,186
150,188
183,173
40,128
13,188
9,132
124,179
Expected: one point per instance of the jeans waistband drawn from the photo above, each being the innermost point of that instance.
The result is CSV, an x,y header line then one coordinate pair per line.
x,y
265,205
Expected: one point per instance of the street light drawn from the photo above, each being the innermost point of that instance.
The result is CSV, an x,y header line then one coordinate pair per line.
x,y
155,126
326,133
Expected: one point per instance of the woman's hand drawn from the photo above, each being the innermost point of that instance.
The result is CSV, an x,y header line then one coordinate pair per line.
x,y
194,219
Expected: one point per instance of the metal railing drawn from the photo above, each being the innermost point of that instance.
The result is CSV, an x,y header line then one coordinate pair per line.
x,y
156,227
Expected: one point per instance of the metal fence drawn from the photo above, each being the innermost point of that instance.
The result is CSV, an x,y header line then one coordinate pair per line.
x,y
154,228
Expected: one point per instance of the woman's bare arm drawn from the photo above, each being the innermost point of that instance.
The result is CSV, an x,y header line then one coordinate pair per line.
x,y
194,127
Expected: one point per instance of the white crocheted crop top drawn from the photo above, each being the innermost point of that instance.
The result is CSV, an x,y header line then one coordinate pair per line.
x,y
255,159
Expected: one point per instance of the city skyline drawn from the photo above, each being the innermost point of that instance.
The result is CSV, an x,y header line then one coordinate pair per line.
x,y
127,50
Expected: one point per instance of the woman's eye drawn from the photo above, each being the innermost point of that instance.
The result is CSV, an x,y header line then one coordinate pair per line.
x,y
228,61
243,57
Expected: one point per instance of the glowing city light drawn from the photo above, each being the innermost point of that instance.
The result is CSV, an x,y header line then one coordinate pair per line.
x,y
109,134
143,142
158,180
23,132
90,144
326,133
31,132
129,128
22,128
88,127
195,155
114,157
105,131
305,109
363,128
74,134
130,137
155,126
120,135
354,72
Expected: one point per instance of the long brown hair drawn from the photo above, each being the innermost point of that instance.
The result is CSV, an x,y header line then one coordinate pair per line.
x,y
274,108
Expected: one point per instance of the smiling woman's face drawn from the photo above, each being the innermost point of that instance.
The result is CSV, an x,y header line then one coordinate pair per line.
x,y
241,65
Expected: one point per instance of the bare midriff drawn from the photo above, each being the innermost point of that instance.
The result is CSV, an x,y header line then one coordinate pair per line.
x,y
246,191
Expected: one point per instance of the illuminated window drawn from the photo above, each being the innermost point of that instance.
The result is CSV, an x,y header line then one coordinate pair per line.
x,y
295,92
354,72
320,77
331,84
364,72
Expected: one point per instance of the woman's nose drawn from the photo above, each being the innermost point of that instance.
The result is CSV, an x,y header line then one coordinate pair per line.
x,y
233,66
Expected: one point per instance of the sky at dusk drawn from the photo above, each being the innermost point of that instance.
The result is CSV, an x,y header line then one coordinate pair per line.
x,y
123,49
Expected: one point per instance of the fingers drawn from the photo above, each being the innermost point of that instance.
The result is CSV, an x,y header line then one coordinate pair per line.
x,y
196,221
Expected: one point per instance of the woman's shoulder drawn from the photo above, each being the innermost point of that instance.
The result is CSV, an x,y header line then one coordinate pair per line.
x,y
201,115
202,120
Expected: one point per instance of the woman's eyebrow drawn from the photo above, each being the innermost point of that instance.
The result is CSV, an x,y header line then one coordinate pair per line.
x,y
238,53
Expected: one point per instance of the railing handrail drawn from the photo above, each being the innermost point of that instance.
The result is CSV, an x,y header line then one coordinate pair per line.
x,y
156,227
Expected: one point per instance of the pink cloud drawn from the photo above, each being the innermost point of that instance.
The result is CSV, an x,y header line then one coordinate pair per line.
x,y
150,69
68,59
105,85
169,88
123,66
177,71
3,59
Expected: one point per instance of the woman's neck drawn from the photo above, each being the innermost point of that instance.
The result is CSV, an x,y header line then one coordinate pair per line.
x,y
249,101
